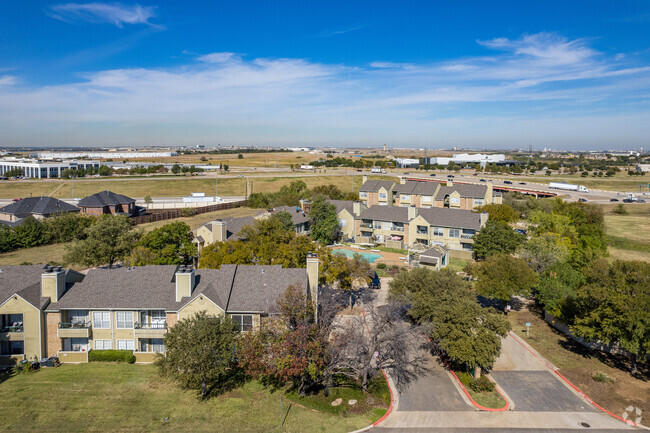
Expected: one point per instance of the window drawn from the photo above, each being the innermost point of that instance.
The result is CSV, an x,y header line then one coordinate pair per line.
x,y
152,345
404,197
158,319
377,224
478,202
124,319
422,230
125,345
388,225
77,317
101,320
363,195
75,344
103,345
426,198
342,222
454,200
454,233
438,231
244,321
12,348
382,195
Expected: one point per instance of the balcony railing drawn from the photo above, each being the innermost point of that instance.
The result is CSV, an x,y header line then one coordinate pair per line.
x,y
156,325
13,328
74,325
366,226
466,236
422,232
397,229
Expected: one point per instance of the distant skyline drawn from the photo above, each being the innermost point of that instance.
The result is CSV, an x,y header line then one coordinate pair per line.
x,y
473,74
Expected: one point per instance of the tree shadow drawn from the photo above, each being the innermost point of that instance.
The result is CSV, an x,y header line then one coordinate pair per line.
x,y
236,379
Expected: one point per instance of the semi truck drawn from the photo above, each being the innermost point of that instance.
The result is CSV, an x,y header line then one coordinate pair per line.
x,y
567,187
377,170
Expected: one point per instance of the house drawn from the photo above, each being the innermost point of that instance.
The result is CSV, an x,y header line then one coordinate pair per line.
x,y
221,230
298,217
376,192
403,227
24,293
107,202
415,193
435,258
50,311
37,207
465,196
347,211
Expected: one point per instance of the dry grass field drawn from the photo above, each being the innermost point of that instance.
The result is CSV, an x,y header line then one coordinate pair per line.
x,y
282,159
628,235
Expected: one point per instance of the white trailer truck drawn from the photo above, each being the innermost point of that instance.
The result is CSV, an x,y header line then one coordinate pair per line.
x,y
377,170
567,187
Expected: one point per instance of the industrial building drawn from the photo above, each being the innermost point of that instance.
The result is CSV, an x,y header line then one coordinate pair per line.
x,y
43,169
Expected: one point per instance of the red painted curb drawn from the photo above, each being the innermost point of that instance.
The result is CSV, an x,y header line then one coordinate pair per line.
x,y
568,382
390,407
502,409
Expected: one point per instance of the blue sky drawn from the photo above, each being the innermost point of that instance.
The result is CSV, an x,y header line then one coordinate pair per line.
x,y
562,74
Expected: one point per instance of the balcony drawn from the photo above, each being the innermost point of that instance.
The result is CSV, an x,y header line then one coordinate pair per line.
x,y
366,226
74,330
397,229
149,330
465,236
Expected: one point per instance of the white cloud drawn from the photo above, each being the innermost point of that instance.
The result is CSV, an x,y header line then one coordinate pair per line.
x,y
111,13
7,80
528,86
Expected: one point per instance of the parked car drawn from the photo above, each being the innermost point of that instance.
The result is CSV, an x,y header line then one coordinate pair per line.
x,y
582,200
522,231
507,182
613,199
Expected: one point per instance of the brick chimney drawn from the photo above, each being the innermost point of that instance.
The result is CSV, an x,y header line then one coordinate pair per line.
x,y
185,282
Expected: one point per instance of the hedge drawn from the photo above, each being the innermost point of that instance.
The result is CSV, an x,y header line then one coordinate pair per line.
x,y
111,356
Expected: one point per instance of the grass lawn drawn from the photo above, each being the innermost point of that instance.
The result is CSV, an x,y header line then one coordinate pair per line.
x,y
167,187
54,253
457,265
490,399
122,397
579,364
628,236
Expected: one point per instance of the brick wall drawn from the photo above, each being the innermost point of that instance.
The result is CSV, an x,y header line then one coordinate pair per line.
x,y
172,318
52,342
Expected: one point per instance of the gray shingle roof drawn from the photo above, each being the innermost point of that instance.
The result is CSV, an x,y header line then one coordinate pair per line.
x,y
386,213
154,287
105,198
416,187
343,204
297,215
24,281
38,206
375,185
454,218
436,251
465,190
13,223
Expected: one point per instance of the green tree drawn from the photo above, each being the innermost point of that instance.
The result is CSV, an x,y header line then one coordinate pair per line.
x,y
226,167
557,288
324,223
108,240
614,306
67,227
7,240
467,333
545,250
104,170
496,238
147,199
240,156
499,212
176,169
284,218
503,276
170,244
200,353
30,233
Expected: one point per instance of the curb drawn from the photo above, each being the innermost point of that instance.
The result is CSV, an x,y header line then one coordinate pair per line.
x,y
478,406
569,384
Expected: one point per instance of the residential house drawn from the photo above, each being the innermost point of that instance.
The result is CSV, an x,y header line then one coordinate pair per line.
x,y
384,225
415,193
107,202
435,258
220,230
465,196
299,218
347,211
376,192
51,311
37,207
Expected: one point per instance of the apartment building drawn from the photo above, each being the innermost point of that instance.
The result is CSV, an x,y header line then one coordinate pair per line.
x,y
347,211
52,311
465,196
376,192
415,193
402,227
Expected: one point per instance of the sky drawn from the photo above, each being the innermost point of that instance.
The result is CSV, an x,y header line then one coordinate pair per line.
x,y
570,74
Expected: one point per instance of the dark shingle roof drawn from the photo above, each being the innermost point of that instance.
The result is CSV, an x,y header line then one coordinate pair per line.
x,y
436,251
415,187
154,287
454,218
24,281
38,206
297,215
375,185
386,213
105,198
234,226
13,223
465,190
343,204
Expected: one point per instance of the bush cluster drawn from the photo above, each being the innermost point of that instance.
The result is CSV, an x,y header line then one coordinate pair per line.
x,y
111,356
482,384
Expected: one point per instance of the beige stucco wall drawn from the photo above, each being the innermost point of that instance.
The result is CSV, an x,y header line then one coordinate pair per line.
x,y
349,229
31,324
200,303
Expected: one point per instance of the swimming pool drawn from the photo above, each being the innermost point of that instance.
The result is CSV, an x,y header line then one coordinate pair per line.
x,y
371,257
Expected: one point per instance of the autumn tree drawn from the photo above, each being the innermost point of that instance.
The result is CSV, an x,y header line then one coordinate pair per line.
x,y
200,353
504,276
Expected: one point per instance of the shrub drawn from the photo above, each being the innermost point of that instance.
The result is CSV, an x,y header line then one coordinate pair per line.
x,y
620,209
188,212
381,266
482,384
599,376
111,356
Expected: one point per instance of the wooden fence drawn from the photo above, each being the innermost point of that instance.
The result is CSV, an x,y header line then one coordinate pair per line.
x,y
169,214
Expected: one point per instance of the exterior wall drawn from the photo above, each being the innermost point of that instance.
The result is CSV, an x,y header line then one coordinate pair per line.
x,y
73,357
172,319
145,357
349,229
200,303
97,211
52,342
32,327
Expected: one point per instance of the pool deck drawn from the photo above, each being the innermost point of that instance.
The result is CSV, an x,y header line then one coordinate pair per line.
x,y
388,258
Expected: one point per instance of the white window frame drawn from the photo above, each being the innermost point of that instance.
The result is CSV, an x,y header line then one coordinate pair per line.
x,y
124,321
382,195
454,200
239,320
478,202
454,233
342,222
104,322
103,344
363,194
125,345
405,197
438,231
426,198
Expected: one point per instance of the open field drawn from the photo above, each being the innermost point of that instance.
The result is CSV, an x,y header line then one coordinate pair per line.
x,y
167,187
134,398
579,365
283,159
54,253
628,236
